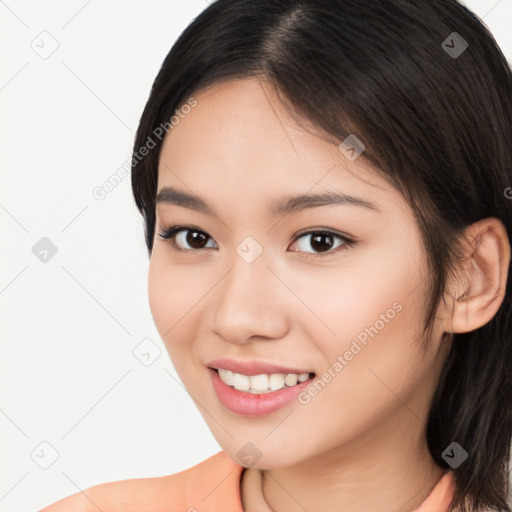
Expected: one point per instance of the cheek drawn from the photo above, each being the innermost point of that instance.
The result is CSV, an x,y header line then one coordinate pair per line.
x,y
372,321
160,294
364,294
379,295
178,300
171,291
368,386
375,358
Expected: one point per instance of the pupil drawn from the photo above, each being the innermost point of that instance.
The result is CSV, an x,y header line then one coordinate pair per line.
x,y
318,246
194,239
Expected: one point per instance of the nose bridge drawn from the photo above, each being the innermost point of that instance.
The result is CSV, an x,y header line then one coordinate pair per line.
x,y
249,273
246,303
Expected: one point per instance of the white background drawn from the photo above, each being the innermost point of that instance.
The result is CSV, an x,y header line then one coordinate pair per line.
x,y
69,326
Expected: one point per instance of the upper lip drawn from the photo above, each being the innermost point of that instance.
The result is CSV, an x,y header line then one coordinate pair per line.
x,y
252,367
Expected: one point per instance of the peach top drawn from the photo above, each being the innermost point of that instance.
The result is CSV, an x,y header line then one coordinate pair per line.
x,y
213,485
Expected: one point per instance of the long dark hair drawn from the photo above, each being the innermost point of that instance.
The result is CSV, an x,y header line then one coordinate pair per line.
x,y
427,89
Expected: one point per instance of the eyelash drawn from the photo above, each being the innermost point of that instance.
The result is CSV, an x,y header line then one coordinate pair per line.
x,y
169,236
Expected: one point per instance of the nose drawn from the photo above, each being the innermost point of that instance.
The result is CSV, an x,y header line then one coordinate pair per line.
x,y
250,304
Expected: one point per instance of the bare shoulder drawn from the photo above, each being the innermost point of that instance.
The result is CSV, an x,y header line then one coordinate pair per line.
x,y
122,496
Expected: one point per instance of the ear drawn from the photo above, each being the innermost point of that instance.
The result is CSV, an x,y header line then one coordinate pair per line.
x,y
478,291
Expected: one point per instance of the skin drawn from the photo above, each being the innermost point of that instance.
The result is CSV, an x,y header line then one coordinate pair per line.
x,y
361,440
344,442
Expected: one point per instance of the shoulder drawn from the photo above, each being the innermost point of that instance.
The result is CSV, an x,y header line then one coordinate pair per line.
x,y
211,483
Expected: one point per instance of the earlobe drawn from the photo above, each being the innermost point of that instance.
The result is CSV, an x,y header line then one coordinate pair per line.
x,y
482,282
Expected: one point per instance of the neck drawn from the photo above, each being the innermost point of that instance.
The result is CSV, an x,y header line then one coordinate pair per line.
x,y
396,471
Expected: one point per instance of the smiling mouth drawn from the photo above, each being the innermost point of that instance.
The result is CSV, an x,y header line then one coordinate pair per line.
x,y
262,383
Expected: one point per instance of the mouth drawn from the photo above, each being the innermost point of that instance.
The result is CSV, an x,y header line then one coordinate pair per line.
x,y
261,383
246,390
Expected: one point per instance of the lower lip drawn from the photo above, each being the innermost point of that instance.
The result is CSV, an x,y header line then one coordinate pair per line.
x,y
255,404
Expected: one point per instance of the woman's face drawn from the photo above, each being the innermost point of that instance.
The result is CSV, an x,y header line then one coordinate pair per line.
x,y
250,282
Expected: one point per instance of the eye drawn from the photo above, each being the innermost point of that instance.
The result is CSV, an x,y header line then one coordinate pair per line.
x,y
323,241
181,236
190,239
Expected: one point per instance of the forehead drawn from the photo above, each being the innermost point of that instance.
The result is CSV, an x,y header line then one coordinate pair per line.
x,y
240,140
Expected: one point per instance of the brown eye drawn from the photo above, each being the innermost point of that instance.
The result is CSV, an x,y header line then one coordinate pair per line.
x,y
186,238
190,239
323,242
196,239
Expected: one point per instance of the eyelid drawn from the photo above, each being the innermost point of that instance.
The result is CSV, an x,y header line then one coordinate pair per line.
x,y
168,234
347,241
334,232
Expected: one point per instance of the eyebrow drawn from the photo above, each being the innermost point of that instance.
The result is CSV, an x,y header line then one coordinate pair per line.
x,y
170,195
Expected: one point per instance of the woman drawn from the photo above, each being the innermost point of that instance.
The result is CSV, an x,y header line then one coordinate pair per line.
x,y
370,371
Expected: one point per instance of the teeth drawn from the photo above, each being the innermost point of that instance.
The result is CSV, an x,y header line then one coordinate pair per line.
x,y
276,381
262,383
291,379
259,382
226,376
241,382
